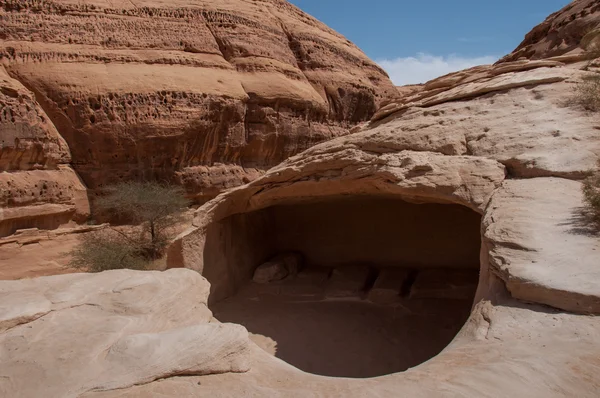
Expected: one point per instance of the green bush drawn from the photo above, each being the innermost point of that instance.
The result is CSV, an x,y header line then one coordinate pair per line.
x,y
150,205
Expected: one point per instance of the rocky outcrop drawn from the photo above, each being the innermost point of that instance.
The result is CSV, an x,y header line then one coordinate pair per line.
x,y
38,187
502,142
477,171
541,244
111,331
520,114
568,32
205,94
453,147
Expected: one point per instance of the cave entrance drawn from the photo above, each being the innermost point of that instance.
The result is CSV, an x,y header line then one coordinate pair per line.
x,y
384,284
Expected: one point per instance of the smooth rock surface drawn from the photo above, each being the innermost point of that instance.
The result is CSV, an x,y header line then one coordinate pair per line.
x,y
505,349
524,118
117,329
541,244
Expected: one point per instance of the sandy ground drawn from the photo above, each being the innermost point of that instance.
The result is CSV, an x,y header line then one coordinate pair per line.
x,y
46,257
44,253
349,337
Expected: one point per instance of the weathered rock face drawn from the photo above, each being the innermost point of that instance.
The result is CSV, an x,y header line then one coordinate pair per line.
x,y
486,160
505,143
566,32
38,187
206,93
450,143
517,113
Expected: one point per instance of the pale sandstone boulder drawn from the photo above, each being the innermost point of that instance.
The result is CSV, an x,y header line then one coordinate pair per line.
x,y
505,349
95,332
278,268
541,244
524,119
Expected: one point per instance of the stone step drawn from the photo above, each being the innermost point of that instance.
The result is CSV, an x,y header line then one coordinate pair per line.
x,y
349,281
388,286
445,284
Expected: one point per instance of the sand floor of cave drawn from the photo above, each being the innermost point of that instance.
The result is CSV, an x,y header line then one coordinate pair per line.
x,y
348,337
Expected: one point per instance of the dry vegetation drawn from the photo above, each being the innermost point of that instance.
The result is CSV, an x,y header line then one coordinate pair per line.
x,y
591,194
150,205
587,93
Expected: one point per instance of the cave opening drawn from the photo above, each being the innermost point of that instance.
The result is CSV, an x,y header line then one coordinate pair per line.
x,y
380,285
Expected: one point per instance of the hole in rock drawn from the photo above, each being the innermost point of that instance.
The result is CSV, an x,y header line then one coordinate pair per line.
x,y
353,286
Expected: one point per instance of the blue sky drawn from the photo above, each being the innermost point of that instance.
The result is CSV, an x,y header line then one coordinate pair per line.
x,y
416,41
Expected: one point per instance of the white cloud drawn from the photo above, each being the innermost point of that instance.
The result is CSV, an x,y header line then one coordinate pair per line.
x,y
424,67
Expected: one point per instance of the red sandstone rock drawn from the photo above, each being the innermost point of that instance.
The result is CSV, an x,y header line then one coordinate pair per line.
x,y
566,32
38,187
208,94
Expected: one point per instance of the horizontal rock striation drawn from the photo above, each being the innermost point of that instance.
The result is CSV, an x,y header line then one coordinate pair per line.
x,y
207,94
567,32
38,187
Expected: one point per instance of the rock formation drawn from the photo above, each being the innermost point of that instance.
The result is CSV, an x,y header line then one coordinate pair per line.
x,y
205,93
111,331
476,171
38,187
568,32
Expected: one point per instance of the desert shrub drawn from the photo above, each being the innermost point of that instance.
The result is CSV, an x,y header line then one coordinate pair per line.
x,y
587,93
150,205
147,203
106,250
591,194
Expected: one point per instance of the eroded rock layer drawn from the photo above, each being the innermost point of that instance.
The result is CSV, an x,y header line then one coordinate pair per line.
x,y
566,32
205,93
38,187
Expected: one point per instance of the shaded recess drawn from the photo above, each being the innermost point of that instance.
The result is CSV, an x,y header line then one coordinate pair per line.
x,y
385,284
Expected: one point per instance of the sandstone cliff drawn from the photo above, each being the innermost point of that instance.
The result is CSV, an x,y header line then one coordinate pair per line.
x,y
38,187
208,94
500,148
566,32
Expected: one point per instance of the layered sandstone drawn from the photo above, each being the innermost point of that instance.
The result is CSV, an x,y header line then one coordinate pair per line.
x,y
478,170
205,93
504,142
38,187
568,32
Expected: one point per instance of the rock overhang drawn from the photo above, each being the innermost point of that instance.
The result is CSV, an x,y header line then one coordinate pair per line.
x,y
418,158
